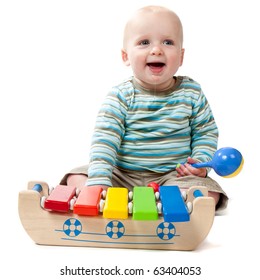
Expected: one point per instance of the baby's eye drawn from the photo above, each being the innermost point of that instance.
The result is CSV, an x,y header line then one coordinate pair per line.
x,y
144,42
168,42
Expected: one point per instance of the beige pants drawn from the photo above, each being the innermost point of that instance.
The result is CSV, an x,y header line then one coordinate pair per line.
x,y
129,179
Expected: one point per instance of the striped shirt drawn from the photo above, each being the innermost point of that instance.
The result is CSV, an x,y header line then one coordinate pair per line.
x,y
140,130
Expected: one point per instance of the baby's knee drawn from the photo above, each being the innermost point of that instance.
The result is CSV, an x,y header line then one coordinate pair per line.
x,y
77,180
215,195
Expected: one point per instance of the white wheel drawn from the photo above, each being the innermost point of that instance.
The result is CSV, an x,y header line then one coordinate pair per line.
x,y
43,198
72,202
104,194
184,195
130,207
189,206
130,195
101,205
159,207
157,195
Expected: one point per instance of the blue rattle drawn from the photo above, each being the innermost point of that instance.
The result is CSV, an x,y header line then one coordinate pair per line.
x,y
226,162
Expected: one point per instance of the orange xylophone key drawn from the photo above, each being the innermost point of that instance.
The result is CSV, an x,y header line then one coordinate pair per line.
x,y
88,201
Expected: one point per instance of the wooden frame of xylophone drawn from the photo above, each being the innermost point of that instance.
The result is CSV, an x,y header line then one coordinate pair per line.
x,y
69,229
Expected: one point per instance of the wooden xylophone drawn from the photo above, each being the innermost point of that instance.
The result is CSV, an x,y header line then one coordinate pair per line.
x,y
117,218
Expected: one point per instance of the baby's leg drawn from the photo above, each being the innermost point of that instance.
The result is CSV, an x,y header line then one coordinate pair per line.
x,y
77,180
215,195
77,177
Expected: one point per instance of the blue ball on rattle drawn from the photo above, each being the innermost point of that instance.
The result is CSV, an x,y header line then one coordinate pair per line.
x,y
226,162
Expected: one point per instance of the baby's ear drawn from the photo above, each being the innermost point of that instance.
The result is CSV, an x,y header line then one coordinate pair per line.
x,y
182,56
125,57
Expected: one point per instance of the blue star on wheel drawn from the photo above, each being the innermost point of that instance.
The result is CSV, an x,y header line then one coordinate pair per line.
x,y
115,229
166,231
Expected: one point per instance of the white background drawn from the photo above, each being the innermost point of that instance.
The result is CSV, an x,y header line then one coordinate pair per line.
x,y
58,59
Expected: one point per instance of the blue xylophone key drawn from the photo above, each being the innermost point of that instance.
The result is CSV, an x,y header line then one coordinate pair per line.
x,y
173,206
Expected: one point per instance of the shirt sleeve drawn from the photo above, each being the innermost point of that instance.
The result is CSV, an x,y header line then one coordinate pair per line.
x,y
204,131
108,133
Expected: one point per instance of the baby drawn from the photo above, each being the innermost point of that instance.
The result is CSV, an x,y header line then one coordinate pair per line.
x,y
154,125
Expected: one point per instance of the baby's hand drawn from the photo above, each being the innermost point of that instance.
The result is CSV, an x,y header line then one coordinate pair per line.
x,y
186,169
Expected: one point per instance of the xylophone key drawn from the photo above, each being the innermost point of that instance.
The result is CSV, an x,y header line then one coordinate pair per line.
x,y
144,204
59,199
88,201
116,204
173,206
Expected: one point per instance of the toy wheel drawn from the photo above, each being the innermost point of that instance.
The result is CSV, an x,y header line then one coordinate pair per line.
x,y
166,231
115,229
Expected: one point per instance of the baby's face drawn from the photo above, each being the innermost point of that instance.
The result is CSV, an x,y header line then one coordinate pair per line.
x,y
153,48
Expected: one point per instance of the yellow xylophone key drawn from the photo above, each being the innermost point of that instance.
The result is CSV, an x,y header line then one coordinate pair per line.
x,y
116,204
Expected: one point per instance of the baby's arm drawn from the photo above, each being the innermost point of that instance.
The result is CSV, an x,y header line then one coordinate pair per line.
x,y
204,135
108,133
204,138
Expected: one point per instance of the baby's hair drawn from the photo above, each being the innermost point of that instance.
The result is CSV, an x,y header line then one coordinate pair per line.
x,y
153,9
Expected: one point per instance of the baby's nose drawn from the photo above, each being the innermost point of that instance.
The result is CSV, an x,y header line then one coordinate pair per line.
x,y
156,50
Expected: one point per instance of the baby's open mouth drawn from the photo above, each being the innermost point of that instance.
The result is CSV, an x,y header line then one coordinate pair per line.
x,y
156,64
156,67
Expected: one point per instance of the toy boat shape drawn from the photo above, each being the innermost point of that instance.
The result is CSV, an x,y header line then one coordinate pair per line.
x,y
118,219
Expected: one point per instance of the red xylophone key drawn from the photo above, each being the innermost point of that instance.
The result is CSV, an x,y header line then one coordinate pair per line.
x,y
59,199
